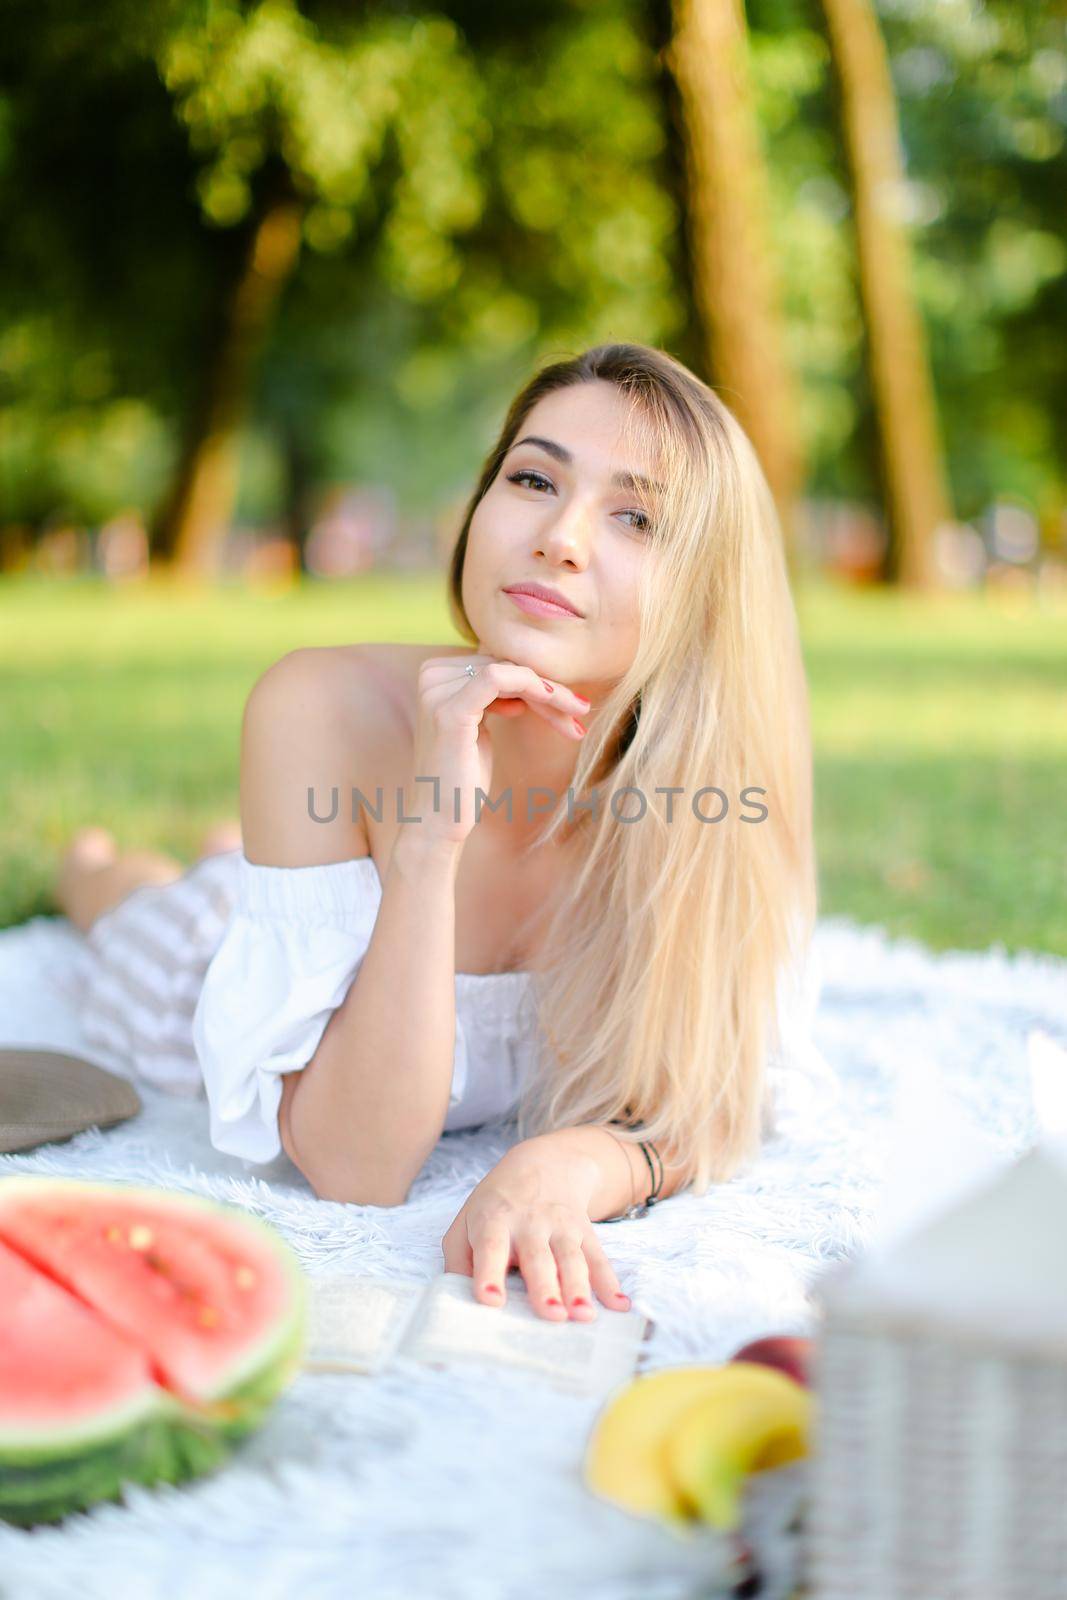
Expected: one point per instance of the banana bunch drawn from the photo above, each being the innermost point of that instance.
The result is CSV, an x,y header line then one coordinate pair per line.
x,y
680,1443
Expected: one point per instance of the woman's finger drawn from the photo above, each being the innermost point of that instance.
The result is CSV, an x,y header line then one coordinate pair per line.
x,y
497,683
445,669
541,1275
511,677
508,706
457,1252
602,1277
573,1277
496,679
491,1247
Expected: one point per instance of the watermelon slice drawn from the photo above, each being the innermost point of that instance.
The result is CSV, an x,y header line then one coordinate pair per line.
x,y
142,1334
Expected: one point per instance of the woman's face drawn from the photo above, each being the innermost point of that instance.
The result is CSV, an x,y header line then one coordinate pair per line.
x,y
559,513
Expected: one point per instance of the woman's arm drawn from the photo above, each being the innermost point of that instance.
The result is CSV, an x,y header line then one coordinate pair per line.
x,y
361,1117
366,1112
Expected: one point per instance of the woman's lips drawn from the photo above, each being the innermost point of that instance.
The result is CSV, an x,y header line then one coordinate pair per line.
x,y
538,607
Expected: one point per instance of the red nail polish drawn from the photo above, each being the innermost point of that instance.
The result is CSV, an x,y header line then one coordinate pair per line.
x,y
583,698
492,1288
553,1302
579,1300
578,725
621,1296
548,686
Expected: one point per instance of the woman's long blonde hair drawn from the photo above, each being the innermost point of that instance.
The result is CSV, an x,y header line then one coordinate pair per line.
x,y
658,1003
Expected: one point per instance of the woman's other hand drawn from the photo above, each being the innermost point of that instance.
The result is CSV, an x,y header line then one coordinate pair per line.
x,y
531,1211
452,742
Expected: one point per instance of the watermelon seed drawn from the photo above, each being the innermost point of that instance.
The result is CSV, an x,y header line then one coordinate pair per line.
x,y
161,1266
140,1237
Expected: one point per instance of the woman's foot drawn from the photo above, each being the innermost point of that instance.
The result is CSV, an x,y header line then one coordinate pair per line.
x,y
90,847
89,850
220,837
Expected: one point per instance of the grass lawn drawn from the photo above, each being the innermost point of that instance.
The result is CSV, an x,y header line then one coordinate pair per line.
x,y
940,731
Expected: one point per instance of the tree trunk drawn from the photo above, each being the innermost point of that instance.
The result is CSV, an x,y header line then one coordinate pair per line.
x,y
192,527
916,491
734,284
299,478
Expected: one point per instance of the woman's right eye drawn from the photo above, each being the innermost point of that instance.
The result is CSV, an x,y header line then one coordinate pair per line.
x,y
525,472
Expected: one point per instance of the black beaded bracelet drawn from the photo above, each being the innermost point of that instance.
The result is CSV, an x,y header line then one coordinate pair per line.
x,y
657,1183
641,1209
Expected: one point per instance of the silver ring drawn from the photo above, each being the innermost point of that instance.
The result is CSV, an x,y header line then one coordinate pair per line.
x,y
469,670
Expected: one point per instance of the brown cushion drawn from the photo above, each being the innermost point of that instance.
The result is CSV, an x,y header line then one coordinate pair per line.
x,y
47,1095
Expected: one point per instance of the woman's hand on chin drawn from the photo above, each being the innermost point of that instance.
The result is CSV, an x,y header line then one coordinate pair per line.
x,y
531,1211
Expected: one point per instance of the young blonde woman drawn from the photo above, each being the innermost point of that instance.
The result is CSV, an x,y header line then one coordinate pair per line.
x,y
563,871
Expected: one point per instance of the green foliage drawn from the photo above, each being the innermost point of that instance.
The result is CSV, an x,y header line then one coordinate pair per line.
x,y
575,242
984,105
813,254
261,81
482,186
71,440
586,224
982,100
503,184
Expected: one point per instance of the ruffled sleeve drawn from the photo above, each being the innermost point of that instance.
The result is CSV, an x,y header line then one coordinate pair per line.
x,y
801,1085
295,940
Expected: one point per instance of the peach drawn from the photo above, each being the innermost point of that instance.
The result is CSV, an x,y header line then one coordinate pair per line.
x,y
789,1353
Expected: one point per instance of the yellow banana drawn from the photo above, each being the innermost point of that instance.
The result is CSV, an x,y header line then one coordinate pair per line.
x,y
624,1459
750,1418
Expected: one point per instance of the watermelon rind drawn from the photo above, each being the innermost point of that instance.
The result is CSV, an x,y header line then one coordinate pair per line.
x,y
173,1445
28,1446
158,1436
160,1449
73,1482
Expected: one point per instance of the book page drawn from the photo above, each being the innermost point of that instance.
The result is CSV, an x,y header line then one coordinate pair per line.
x,y
583,1357
355,1323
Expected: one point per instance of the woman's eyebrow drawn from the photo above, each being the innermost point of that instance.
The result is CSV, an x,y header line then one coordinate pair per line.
x,y
621,480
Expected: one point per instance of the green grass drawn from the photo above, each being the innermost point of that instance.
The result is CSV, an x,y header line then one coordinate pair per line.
x,y
940,731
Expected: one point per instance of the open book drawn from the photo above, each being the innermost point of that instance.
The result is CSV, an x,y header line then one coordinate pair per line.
x,y
358,1324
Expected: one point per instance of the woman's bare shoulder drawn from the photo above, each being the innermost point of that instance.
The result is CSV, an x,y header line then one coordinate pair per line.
x,y
389,670
404,659
345,679
319,719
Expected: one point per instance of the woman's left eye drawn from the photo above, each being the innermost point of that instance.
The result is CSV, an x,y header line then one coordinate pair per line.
x,y
645,523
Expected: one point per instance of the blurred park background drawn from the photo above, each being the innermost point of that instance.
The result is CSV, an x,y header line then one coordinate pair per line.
x,y
271,274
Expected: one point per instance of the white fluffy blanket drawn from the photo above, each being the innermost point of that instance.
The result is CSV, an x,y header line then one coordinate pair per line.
x,y
465,1485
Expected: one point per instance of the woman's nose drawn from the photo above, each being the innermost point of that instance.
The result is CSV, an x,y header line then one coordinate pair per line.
x,y
569,535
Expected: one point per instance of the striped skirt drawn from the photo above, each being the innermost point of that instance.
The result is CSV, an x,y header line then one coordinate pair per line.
x,y
145,963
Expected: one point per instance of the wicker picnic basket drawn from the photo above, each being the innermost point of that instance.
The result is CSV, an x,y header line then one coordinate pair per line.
x,y
939,1461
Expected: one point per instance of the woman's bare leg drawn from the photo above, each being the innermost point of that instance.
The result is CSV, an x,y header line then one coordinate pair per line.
x,y
95,875
221,836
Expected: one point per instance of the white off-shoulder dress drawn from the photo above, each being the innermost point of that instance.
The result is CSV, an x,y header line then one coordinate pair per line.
x,y
222,980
